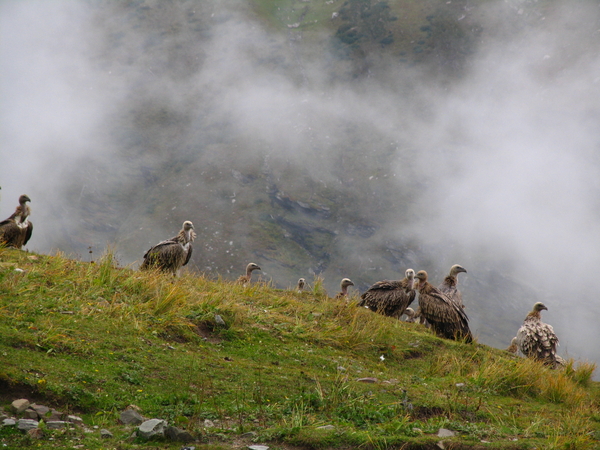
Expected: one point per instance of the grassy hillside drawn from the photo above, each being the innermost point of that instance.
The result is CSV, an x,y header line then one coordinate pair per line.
x,y
92,338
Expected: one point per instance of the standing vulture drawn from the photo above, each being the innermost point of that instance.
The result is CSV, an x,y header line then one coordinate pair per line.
x,y
172,254
512,348
446,318
344,287
390,298
245,279
301,284
17,229
450,284
537,339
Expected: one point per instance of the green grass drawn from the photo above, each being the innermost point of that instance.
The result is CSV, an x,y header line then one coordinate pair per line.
x,y
93,339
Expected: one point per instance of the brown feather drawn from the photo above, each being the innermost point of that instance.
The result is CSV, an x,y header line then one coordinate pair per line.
x,y
390,298
446,318
172,254
17,229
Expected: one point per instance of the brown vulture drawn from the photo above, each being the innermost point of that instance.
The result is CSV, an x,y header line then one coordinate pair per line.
x,y
17,229
537,340
390,298
344,288
450,284
245,279
445,317
172,254
301,284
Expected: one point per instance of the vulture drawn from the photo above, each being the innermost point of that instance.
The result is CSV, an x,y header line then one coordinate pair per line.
x,y
344,287
445,317
390,298
537,340
301,284
450,283
172,254
245,279
411,315
17,229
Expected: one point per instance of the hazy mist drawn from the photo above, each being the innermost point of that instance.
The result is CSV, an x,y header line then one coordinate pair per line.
x,y
495,166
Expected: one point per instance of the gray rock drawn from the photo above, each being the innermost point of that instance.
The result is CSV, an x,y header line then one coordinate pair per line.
x,y
219,320
326,427
27,424
258,447
76,420
177,435
131,417
30,414
249,434
444,433
367,380
151,428
9,422
56,415
105,434
18,406
208,423
40,409
56,424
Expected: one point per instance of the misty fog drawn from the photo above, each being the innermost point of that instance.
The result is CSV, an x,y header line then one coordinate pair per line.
x,y
494,166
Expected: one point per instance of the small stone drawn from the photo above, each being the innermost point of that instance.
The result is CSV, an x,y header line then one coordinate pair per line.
x,y
151,428
9,422
131,417
35,433
56,424
40,409
219,320
367,380
178,435
75,420
326,427
258,447
444,433
105,434
30,414
208,423
56,415
27,424
249,435
18,406
460,385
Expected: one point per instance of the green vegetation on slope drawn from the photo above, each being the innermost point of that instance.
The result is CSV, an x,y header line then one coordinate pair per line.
x,y
93,339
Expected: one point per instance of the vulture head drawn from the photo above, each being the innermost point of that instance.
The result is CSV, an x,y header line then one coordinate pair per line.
x,y
345,283
187,225
250,267
539,306
301,284
421,277
24,198
410,274
456,269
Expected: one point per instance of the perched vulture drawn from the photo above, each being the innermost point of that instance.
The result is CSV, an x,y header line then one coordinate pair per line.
x,y
344,287
537,340
390,298
411,315
17,229
301,284
245,279
450,284
445,317
172,254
